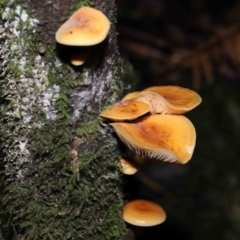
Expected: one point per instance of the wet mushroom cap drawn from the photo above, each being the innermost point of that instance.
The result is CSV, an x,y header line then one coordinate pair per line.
x,y
126,110
127,167
143,213
163,137
179,99
87,26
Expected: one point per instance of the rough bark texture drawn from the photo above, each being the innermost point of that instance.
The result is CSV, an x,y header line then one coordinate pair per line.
x,y
59,176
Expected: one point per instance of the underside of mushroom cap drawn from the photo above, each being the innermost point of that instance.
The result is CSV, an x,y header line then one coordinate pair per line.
x,y
126,110
157,103
178,99
163,137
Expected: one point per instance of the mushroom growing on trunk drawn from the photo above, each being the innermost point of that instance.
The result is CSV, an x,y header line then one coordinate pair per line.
x,y
163,137
143,213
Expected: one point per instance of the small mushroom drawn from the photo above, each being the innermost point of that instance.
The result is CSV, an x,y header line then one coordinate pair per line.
x,y
143,213
86,27
178,99
127,167
126,110
163,137
78,59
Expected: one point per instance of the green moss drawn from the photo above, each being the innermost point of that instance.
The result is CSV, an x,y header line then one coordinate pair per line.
x,y
49,193
88,128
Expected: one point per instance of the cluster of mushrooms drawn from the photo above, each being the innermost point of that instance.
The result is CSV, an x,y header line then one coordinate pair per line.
x,y
86,27
150,123
155,128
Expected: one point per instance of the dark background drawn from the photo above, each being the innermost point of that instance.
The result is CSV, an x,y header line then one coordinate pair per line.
x,y
193,44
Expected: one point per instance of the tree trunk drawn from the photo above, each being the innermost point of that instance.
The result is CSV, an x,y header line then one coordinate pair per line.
x,y
59,177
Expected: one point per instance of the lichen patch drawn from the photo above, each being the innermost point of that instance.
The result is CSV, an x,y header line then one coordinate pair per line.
x,y
24,83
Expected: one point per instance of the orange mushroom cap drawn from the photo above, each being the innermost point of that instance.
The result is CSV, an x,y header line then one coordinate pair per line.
x,y
127,167
178,99
87,26
163,137
143,213
126,110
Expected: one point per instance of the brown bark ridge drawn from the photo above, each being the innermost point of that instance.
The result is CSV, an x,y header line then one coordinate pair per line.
x,y
60,177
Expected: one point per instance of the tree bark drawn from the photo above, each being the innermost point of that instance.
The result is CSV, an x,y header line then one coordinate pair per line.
x,y
59,172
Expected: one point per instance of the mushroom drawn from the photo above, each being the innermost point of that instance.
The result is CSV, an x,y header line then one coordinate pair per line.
x,y
127,167
143,213
86,27
178,99
163,137
126,110
167,100
78,59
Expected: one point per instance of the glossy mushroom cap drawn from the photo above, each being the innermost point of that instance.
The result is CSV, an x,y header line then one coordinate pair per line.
x,y
143,213
163,137
86,27
178,99
127,167
126,110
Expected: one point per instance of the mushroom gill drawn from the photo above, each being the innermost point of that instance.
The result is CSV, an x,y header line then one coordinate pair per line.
x,y
157,103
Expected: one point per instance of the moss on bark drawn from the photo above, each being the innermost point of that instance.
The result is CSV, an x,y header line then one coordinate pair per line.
x,y
59,161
